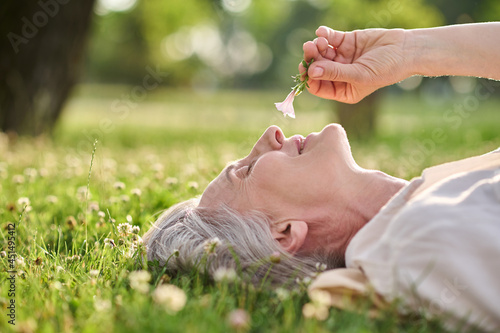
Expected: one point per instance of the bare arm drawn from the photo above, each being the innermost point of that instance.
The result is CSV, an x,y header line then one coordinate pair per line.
x,y
351,65
465,50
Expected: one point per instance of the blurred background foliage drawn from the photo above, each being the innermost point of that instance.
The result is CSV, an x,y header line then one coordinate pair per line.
x,y
229,43
207,46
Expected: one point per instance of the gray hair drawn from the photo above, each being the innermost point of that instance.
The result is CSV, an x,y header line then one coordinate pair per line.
x,y
187,237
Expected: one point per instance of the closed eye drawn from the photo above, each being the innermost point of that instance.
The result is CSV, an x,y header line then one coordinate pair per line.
x,y
250,166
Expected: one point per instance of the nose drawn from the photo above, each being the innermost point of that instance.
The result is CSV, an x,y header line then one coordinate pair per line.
x,y
272,139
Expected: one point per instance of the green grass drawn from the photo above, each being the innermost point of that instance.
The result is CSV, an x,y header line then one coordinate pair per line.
x,y
169,146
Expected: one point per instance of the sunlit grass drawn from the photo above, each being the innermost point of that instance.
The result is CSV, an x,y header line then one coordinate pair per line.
x,y
166,149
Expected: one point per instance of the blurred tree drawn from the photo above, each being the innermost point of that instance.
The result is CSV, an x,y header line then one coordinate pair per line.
x,y
117,51
41,51
359,119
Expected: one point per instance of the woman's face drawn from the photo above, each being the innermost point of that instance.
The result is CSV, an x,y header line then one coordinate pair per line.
x,y
287,177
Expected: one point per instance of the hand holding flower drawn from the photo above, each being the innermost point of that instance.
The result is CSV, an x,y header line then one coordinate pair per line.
x,y
287,105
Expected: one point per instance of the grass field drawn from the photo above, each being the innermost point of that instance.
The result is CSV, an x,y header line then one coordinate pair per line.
x,y
68,198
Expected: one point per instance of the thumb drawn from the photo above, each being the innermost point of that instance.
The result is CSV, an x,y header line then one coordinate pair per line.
x,y
334,71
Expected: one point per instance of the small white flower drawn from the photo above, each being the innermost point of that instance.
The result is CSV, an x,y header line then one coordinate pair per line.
x,y
20,262
136,192
102,305
51,199
139,280
101,214
193,185
225,274
282,294
124,198
171,181
320,267
17,179
136,229
93,206
30,173
171,297
124,228
110,243
94,273
23,201
210,245
82,194
119,185
239,319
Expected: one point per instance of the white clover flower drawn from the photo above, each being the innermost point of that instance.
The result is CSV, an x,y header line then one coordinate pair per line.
x,y
157,167
136,229
136,239
31,173
171,297
210,245
119,185
128,218
94,273
23,201
51,199
320,267
193,185
108,242
310,310
124,198
136,192
82,194
225,274
93,206
239,319
44,172
101,214
102,305
124,228
20,262
133,169
18,179
139,280
282,294
171,181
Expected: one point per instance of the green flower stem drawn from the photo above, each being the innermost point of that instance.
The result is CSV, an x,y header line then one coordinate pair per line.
x,y
302,84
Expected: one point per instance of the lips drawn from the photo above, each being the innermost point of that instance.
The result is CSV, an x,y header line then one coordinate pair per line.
x,y
299,142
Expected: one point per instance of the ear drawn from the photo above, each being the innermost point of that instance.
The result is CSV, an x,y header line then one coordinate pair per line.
x,y
290,234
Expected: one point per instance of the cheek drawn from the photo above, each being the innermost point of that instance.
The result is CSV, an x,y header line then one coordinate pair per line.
x,y
283,178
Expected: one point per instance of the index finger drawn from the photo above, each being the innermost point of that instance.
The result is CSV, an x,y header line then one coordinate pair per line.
x,y
333,37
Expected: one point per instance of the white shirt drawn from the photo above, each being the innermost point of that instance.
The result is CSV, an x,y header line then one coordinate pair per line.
x,y
435,245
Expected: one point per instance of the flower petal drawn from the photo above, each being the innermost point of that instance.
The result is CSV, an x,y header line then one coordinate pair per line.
x,y
287,105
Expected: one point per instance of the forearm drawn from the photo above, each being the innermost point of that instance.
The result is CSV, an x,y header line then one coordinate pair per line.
x,y
464,50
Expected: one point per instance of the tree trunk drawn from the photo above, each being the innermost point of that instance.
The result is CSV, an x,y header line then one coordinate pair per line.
x,y
359,119
42,47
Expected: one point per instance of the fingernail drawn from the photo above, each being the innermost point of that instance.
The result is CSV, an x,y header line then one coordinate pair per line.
x,y
317,72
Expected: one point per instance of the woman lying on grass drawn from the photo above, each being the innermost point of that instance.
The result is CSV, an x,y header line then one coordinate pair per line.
x,y
433,243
